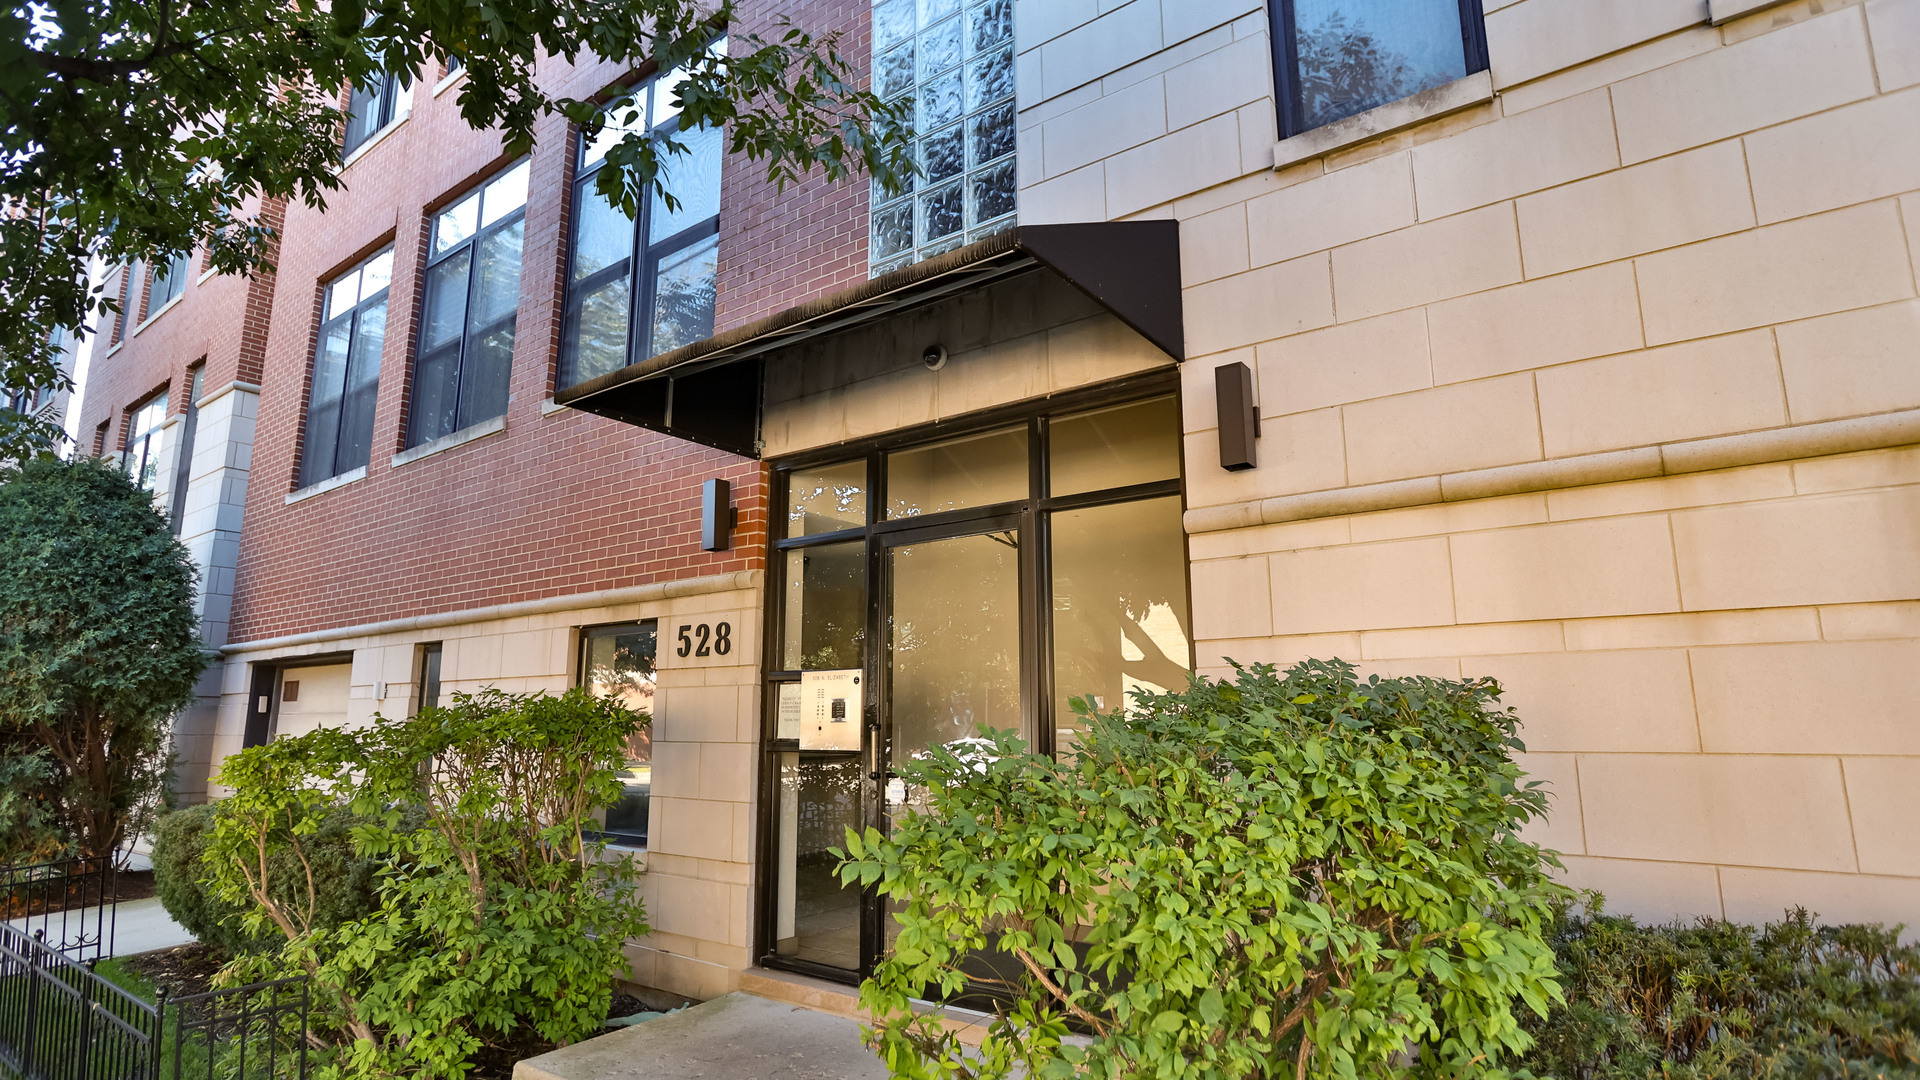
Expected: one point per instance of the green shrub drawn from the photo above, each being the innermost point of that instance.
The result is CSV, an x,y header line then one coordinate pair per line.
x,y
1715,999
28,833
1289,874
344,881
500,919
99,645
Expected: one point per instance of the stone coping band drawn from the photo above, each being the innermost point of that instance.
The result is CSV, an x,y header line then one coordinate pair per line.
x,y
1664,459
657,590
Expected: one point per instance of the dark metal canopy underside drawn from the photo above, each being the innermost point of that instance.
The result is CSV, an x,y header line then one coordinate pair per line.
x,y
710,392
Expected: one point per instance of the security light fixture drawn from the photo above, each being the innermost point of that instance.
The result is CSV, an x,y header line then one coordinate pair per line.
x,y
717,516
935,357
1239,416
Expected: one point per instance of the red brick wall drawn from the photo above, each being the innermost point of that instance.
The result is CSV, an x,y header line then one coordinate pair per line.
x,y
781,248
559,502
222,321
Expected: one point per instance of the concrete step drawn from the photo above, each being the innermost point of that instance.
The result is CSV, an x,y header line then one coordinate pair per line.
x,y
737,1037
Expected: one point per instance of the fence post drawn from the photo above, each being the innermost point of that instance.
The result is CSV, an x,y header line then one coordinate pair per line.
x,y
33,1003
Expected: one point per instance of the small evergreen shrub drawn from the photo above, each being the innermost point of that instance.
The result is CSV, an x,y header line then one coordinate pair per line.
x,y
1715,999
1290,874
343,880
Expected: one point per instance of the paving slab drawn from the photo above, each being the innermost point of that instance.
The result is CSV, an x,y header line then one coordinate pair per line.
x,y
141,926
736,1037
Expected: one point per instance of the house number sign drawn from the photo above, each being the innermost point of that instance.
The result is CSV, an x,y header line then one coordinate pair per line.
x,y
703,639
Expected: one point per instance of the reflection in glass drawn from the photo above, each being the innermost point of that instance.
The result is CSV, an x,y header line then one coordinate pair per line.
x,y
826,498
694,179
953,643
599,342
979,470
618,663
1110,448
456,224
683,292
816,918
1119,606
1354,56
602,237
825,616
504,195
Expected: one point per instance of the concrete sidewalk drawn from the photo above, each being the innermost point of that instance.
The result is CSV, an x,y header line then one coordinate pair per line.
x,y
736,1037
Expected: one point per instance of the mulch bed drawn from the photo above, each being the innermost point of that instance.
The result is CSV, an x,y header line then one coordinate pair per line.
x,y
183,970
496,1062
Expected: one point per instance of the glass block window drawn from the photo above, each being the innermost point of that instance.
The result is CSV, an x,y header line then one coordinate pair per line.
x,y
955,59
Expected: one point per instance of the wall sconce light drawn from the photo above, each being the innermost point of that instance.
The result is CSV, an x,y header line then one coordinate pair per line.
x,y
1239,416
717,516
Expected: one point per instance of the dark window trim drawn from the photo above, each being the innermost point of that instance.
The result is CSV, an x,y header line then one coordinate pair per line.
x,y
384,92
1031,516
468,332
174,277
428,675
330,319
1286,58
189,427
586,636
641,265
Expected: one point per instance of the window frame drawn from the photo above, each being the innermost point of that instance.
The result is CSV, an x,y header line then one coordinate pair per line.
x,y
1286,61
147,439
328,320
1031,515
587,635
174,275
468,332
642,263
130,294
387,103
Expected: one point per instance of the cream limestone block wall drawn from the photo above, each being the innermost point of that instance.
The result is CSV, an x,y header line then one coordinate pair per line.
x,y
210,529
699,861
1608,387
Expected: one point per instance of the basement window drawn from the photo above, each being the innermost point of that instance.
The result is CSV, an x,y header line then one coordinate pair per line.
x,y
1336,58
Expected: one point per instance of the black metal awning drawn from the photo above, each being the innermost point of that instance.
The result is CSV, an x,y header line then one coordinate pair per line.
x,y
709,392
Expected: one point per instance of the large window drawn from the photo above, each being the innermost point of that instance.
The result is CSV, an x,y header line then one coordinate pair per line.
x,y
467,316
129,299
617,661
955,58
642,286
169,281
346,370
1335,58
143,440
374,106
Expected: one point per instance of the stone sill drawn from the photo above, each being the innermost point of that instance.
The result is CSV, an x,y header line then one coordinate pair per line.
x,y
323,486
1665,459
374,140
152,315
1475,89
1720,11
448,80
548,407
447,442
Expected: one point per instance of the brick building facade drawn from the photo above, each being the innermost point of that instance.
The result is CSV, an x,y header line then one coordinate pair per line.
x,y
1585,341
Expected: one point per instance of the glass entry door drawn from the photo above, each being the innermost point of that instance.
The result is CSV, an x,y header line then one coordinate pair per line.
x,y
928,592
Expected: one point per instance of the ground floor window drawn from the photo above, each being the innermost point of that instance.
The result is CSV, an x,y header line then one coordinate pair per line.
x,y
617,661
970,577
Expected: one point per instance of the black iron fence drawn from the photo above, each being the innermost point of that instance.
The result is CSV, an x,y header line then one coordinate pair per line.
x,y
61,1018
70,903
255,1032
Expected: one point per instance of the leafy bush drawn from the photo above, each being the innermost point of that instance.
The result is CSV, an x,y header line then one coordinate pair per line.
x,y
1288,874
500,920
343,880
99,644
1715,999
